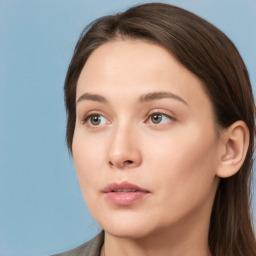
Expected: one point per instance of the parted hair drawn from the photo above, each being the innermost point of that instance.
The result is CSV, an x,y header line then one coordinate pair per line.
x,y
213,58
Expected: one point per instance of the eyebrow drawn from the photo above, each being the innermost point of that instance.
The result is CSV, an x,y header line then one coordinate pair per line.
x,y
160,95
92,97
143,98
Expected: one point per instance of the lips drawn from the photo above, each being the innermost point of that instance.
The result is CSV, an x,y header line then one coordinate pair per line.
x,y
124,193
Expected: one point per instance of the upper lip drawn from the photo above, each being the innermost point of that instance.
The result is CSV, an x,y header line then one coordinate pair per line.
x,y
118,187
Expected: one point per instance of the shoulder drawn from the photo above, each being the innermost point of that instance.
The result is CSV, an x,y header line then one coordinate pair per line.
x,y
90,248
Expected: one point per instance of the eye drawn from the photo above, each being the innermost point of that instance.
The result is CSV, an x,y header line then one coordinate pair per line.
x,y
159,118
95,120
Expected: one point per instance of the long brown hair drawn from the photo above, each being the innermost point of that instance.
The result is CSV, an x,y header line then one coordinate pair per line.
x,y
213,58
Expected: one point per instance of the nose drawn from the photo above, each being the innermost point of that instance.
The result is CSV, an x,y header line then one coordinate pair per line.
x,y
124,149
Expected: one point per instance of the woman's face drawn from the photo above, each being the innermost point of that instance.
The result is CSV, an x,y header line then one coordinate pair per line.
x,y
145,145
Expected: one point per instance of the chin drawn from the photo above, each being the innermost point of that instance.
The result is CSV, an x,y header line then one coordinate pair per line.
x,y
128,226
128,232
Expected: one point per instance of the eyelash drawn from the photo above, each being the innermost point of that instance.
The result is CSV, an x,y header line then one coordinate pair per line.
x,y
87,118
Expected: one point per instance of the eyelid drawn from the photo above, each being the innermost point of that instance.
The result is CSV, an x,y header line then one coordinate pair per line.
x,y
161,111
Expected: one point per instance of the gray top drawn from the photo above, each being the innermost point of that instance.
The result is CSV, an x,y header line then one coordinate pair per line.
x,y
90,248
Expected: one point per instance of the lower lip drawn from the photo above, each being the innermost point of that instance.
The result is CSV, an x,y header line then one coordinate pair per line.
x,y
124,198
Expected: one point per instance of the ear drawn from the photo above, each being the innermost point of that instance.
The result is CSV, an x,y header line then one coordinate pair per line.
x,y
235,143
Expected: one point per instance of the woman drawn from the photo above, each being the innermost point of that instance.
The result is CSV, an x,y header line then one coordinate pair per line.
x,y
161,129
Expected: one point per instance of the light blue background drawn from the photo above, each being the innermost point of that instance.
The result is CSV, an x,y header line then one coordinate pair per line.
x,y
41,208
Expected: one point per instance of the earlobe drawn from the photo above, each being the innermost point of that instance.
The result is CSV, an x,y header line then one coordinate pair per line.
x,y
235,145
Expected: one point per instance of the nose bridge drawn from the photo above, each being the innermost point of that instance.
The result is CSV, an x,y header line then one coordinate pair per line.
x,y
124,149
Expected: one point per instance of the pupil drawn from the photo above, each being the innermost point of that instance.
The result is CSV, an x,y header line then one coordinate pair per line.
x,y
156,119
95,120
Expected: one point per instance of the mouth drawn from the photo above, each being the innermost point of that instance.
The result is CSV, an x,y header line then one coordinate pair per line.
x,y
124,193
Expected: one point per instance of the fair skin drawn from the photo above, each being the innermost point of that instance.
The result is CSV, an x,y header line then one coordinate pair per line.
x,y
144,119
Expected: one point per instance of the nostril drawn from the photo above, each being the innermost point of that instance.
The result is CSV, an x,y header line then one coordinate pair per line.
x,y
121,164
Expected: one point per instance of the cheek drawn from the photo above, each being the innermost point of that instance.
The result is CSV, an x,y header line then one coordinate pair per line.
x,y
183,167
88,158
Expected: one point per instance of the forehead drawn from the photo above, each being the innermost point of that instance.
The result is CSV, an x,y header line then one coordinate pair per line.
x,y
134,57
133,67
